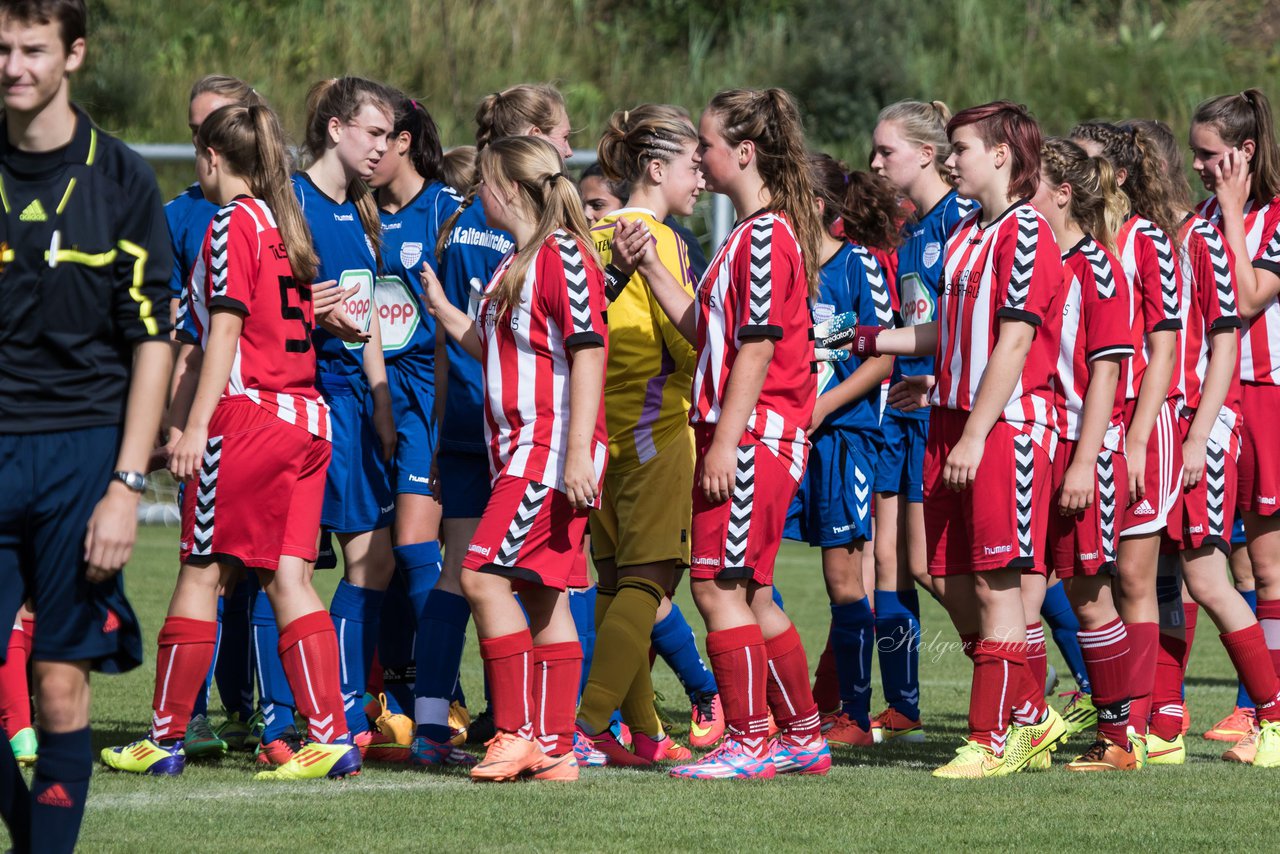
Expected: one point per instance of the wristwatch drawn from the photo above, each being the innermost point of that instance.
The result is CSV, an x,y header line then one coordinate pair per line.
x,y
135,480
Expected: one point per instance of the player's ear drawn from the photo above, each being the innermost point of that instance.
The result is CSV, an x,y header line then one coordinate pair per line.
x,y
746,153
657,170
335,130
1249,147
75,55
925,156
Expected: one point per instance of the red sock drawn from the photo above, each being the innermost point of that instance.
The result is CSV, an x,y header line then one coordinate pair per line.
x,y
508,665
1106,658
1029,706
739,662
182,663
1269,619
1166,691
1248,651
557,671
1190,612
1144,640
15,693
309,652
1037,656
826,682
789,694
998,669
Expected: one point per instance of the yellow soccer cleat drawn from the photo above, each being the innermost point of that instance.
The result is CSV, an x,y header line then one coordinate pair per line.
x,y
146,756
1027,742
1161,752
459,723
972,761
316,760
1138,744
1268,755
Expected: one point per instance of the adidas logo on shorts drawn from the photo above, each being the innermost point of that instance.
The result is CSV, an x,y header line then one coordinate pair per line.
x,y
1144,509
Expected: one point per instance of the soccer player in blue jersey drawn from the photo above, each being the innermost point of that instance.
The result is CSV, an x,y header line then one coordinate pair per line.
x,y
349,121
910,148
469,252
82,385
414,203
832,510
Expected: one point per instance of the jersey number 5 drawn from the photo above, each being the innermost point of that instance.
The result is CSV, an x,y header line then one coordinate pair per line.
x,y
294,312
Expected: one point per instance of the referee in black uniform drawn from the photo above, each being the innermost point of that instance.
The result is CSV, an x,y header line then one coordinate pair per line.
x,y
84,365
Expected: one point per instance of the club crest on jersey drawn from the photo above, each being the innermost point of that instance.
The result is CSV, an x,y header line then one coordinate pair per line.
x,y
410,255
932,252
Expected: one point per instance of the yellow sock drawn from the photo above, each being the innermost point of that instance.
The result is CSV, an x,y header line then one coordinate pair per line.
x,y
622,647
638,705
604,598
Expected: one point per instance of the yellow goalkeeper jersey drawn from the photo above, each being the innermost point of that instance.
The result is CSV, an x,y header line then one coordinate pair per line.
x,y
650,370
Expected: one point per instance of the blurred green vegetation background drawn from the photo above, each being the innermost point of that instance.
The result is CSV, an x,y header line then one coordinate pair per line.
x,y
844,59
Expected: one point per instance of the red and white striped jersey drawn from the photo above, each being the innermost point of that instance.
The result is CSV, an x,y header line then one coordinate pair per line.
x,y
756,288
1155,304
1094,305
528,353
1008,270
1209,304
1260,346
243,265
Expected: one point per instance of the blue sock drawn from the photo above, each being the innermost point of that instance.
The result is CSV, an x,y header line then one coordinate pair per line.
x,y
233,664
275,698
417,571
1242,696
441,636
15,799
910,599
356,612
59,789
201,705
898,641
674,640
777,597
396,632
582,604
1056,611
853,639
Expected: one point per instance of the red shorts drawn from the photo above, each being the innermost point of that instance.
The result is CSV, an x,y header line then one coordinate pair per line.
x,y
1208,508
1163,478
1259,469
740,537
1086,543
259,491
1001,519
530,533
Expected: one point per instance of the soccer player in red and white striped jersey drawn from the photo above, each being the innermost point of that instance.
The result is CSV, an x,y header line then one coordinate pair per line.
x,y
754,396
1076,194
1146,247
1235,152
540,337
255,443
992,429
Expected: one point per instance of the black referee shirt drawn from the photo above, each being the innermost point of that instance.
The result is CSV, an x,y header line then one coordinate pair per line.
x,y
85,261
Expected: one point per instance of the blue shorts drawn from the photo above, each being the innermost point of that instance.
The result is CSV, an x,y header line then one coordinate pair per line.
x,y
357,494
413,398
464,484
900,468
52,482
833,506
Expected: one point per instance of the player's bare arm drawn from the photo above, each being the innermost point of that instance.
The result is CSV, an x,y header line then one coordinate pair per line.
x,y
113,527
742,392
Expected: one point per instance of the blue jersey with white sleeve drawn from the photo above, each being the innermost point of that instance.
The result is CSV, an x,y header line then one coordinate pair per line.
x,y
853,281
920,264
188,215
471,256
347,256
408,238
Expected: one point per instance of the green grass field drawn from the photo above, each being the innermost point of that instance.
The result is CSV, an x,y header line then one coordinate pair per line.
x,y
880,799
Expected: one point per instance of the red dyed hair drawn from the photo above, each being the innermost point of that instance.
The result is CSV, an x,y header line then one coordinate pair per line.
x,y
1007,123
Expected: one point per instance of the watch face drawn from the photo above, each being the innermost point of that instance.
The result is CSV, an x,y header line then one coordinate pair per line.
x,y
132,479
